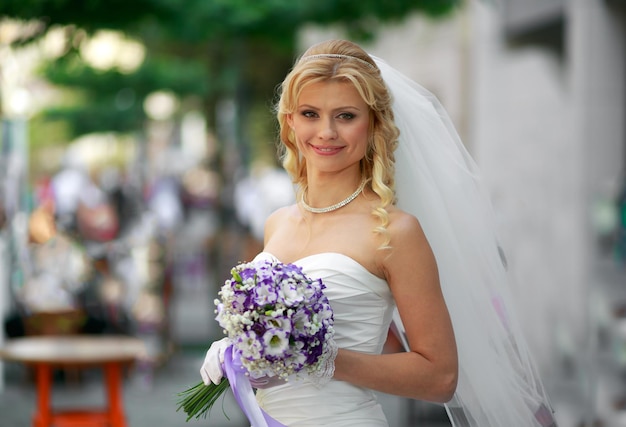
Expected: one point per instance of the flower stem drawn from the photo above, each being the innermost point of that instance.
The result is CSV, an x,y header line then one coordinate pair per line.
x,y
198,400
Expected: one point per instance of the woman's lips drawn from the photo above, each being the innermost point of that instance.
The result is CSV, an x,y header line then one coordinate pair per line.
x,y
325,150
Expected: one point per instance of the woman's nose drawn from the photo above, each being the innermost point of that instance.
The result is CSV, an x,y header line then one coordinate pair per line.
x,y
328,131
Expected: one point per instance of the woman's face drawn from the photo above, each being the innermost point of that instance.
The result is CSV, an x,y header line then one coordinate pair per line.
x,y
331,125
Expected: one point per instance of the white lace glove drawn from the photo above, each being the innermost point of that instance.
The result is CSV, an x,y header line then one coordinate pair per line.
x,y
212,369
327,369
319,378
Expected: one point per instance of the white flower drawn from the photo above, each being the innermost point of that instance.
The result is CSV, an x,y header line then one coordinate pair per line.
x,y
276,322
289,293
276,342
249,346
265,295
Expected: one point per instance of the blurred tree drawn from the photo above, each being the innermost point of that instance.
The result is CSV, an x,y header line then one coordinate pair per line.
x,y
203,51
206,48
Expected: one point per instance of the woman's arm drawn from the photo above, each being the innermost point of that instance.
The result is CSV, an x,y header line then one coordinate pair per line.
x,y
429,370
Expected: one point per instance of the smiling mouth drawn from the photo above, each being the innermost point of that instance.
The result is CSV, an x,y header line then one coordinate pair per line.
x,y
326,149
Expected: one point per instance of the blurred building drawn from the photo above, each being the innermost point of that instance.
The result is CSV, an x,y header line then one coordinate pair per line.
x,y
537,90
548,129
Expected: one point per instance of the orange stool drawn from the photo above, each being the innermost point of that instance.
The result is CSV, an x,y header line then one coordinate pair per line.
x,y
44,353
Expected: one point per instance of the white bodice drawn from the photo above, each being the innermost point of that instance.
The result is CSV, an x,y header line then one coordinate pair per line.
x,y
362,306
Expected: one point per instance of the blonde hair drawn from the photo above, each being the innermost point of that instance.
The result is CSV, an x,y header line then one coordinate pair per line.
x,y
345,61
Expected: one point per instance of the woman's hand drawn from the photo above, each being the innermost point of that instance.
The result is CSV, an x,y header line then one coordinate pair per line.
x,y
327,367
319,378
212,370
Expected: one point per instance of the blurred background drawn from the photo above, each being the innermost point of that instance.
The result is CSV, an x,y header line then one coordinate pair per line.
x,y
137,165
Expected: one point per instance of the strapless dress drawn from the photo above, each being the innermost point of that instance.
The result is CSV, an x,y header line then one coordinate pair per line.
x,y
363,307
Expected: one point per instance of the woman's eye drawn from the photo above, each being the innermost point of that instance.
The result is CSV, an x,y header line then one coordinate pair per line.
x,y
345,116
309,114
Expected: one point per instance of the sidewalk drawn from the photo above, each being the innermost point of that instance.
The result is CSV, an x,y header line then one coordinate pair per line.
x,y
148,403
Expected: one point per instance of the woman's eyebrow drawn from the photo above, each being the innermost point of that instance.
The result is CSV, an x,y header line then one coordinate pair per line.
x,y
346,107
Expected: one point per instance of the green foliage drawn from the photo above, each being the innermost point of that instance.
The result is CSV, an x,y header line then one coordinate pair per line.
x,y
98,115
111,100
202,20
87,14
182,76
204,48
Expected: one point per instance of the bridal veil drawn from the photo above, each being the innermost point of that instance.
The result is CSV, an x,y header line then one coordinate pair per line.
x,y
437,181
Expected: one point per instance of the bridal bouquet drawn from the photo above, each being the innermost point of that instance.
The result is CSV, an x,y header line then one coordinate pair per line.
x,y
278,321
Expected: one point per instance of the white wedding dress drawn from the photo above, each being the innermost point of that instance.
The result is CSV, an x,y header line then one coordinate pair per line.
x,y
363,307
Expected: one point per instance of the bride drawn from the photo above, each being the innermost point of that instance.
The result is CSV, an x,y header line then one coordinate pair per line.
x,y
391,217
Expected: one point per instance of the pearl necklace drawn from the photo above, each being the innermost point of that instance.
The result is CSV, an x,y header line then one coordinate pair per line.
x,y
336,206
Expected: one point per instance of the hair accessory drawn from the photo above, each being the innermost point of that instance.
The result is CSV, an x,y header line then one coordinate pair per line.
x,y
336,206
337,56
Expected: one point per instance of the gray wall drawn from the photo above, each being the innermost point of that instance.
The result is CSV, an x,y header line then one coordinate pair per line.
x,y
544,119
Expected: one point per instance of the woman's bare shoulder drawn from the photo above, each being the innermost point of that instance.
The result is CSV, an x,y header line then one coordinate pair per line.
x,y
278,217
402,223
407,238
410,252
283,213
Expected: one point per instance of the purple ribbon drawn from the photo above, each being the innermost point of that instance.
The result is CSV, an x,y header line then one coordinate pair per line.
x,y
240,385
